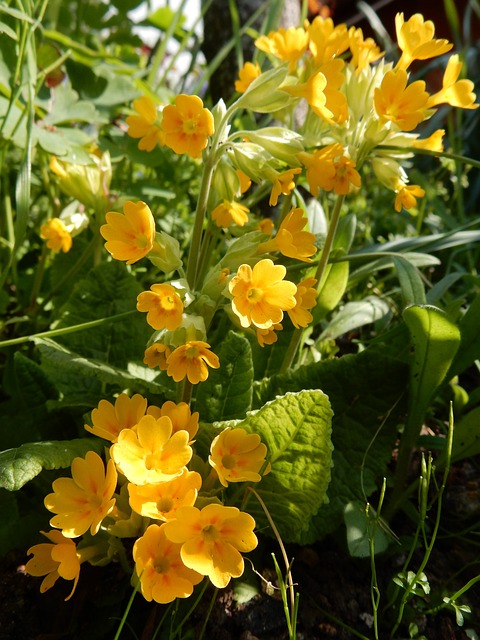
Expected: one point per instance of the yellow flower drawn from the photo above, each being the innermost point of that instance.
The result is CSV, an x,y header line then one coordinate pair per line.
x,y
266,226
407,196
227,213
108,420
163,305
163,576
260,295
187,125
327,41
130,236
151,453
156,356
237,456
245,182
146,125
212,539
290,240
394,101
56,235
415,39
162,500
268,336
84,500
55,559
283,183
306,298
180,415
320,166
364,51
455,92
313,92
246,76
190,360
345,175
288,45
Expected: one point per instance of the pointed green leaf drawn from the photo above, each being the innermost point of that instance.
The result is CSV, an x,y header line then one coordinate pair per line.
x,y
411,284
355,314
19,466
469,349
227,393
332,290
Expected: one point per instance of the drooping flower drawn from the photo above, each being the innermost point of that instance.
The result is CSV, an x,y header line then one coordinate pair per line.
x,y
180,415
261,295
288,45
245,182
56,234
247,75
159,566
151,453
212,540
432,143
84,500
313,92
156,356
407,196
306,298
162,500
455,92
163,305
283,183
344,177
416,40
187,125
227,213
190,360
237,456
320,166
130,236
108,419
404,105
146,125
290,239
268,336
55,559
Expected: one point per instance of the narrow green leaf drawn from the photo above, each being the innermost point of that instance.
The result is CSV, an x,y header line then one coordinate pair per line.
x,y
19,466
227,393
411,284
332,290
355,314
469,349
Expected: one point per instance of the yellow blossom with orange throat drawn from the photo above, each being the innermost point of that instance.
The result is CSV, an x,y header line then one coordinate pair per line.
x,y
156,356
291,240
109,419
407,196
268,336
191,361
180,415
56,234
229,213
237,456
261,295
394,101
288,45
455,92
163,305
416,40
130,236
187,125
246,76
283,183
306,298
146,125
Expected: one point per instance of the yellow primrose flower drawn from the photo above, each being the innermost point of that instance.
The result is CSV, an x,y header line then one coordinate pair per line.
x,y
190,360
161,501
187,125
108,419
394,101
212,539
156,356
345,176
407,196
158,564
151,453
84,500
227,213
327,41
288,45
130,236
283,183
365,51
55,559
266,226
237,456
245,182
260,295
163,305
146,125
432,143
320,166
313,92
180,415
290,240
306,298
246,76
416,41
56,234
268,336
455,92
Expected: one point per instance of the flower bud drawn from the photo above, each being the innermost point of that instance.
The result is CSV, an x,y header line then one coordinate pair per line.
x,y
263,95
225,180
165,254
281,143
251,159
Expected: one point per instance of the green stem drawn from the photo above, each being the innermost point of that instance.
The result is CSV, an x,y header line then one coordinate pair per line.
x,y
127,610
39,273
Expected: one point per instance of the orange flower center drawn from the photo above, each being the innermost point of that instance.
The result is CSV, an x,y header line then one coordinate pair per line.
x,y
190,126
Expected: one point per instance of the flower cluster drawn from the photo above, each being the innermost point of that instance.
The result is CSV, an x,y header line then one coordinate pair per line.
x,y
146,491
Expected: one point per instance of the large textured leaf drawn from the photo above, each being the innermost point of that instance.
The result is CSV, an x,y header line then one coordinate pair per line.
x,y
18,466
364,391
227,393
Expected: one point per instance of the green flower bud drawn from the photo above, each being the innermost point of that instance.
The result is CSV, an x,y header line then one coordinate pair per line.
x,y
165,254
263,94
283,144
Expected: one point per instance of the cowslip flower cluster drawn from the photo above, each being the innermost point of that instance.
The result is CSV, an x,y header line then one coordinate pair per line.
x,y
146,491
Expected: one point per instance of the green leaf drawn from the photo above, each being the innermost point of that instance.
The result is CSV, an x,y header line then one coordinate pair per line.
x,y
67,107
469,349
19,466
360,526
296,429
227,393
332,290
411,284
355,314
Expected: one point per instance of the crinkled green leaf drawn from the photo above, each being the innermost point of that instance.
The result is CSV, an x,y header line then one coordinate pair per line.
x,y
296,429
227,393
19,466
